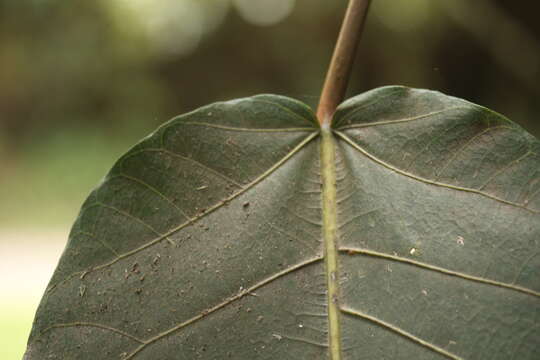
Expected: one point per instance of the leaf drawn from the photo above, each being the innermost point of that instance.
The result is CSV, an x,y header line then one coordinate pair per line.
x,y
242,231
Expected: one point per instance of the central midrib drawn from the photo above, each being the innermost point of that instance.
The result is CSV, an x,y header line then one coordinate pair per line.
x,y
328,177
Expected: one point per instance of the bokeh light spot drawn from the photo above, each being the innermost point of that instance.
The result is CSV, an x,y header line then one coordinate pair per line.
x,y
175,26
264,12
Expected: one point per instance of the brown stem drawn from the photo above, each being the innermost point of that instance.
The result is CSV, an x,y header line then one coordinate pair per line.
x,y
337,78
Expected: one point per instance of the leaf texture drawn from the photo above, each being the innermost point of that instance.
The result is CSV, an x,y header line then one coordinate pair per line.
x,y
211,238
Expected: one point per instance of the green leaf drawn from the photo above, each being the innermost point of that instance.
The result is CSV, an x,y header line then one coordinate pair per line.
x,y
243,231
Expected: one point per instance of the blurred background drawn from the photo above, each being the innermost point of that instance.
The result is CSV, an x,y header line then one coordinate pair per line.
x,y
82,81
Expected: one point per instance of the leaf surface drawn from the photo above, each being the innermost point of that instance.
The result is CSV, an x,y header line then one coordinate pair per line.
x,y
238,231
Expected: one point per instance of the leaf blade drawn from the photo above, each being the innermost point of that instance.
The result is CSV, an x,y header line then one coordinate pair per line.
x,y
435,217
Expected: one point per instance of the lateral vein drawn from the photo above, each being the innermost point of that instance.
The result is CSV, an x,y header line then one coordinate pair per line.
x,y
255,130
402,332
431,182
440,270
397,121
223,304
94,325
193,220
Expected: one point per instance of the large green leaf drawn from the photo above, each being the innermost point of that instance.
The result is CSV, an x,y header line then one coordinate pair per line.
x,y
243,231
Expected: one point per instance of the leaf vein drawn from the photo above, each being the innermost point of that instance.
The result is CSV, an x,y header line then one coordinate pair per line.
x,y
223,304
306,341
240,129
397,121
295,238
431,182
505,168
195,162
87,324
401,332
129,216
353,251
278,105
467,144
191,221
361,107
156,191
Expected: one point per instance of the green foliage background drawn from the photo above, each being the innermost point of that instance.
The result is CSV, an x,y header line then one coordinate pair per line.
x,y
82,81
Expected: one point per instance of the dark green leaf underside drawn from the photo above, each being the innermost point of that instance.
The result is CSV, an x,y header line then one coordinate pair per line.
x,y
206,239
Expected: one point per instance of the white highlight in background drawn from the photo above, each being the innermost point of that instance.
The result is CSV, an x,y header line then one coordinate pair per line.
x,y
264,12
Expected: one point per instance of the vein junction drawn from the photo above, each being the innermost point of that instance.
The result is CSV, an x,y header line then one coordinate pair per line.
x,y
328,175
